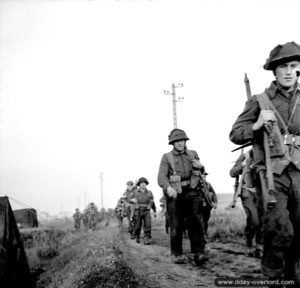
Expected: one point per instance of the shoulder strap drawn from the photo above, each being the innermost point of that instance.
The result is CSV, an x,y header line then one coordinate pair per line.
x,y
263,101
265,104
170,158
191,154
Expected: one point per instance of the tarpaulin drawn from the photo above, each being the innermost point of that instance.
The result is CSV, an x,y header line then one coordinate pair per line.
x,y
14,269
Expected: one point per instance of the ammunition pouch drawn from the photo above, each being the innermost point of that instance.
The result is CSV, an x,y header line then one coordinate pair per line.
x,y
195,179
175,182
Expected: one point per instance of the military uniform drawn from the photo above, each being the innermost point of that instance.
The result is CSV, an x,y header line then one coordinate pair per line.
x,y
127,196
92,214
281,224
207,209
144,203
188,205
120,212
250,199
77,216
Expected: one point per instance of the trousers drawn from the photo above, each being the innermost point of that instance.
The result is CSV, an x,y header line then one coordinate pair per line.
x,y
281,228
186,211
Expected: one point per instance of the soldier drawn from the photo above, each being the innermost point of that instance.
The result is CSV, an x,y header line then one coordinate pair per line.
x,y
271,122
127,196
120,212
249,198
144,203
207,208
92,213
77,216
163,205
184,200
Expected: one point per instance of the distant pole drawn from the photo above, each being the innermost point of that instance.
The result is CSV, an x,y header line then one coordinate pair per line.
x,y
174,100
101,186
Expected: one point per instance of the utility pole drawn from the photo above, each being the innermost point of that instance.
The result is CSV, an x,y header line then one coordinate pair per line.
x,y
174,100
101,186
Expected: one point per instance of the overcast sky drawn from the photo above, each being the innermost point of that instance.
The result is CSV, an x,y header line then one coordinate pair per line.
x,y
82,84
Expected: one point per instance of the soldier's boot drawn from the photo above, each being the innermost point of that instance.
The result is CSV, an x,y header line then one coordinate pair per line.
x,y
178,259
137,239
200,258
147,241
258,251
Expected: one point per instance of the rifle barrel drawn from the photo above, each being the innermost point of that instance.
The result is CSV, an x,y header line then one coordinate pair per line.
x,y
248,89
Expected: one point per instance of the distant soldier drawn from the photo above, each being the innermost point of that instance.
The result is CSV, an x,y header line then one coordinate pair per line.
x,y
163,205
127,196
120,212
270,122
144,203
249,197
77,216
213,199
184,198
92,214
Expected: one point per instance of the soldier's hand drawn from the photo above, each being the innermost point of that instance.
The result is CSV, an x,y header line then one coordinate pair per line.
x,y
264,117
196,164
171,192
215,205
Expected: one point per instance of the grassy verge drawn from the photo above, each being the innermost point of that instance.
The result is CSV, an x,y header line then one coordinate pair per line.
x,y
84,259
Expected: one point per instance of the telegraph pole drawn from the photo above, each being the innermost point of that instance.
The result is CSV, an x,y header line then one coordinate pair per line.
x,y
101,187
174,100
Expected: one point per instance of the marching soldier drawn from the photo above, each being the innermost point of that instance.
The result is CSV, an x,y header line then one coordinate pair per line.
x,y
127,196
207,208
144,202
184,200
271,122
92,213
77,216
249,197
163,205
120,212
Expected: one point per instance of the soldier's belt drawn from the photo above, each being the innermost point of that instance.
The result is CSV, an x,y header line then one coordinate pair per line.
x,y
143,205
290,139
185,183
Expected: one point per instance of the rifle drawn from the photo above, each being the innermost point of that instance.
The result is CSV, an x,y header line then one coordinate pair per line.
x,y
237,184
265,174
238,190
205,191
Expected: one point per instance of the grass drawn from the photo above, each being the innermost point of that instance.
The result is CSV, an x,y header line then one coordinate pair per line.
x,y
87,259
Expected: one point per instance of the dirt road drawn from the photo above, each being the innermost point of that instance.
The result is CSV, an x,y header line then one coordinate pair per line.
x,y
153,262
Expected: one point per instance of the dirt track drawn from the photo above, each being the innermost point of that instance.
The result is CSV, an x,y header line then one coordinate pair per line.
x,y
154,263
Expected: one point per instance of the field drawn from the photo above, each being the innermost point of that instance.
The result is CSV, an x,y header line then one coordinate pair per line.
x,y
60,257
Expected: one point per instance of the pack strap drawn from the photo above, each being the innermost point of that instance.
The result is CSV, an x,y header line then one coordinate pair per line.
x,y
170,158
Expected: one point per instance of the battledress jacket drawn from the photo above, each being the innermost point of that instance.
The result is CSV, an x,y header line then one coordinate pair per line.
x,y
183,166
284,103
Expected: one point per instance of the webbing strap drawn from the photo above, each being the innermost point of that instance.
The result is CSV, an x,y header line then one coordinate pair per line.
x,y
266,104
171,161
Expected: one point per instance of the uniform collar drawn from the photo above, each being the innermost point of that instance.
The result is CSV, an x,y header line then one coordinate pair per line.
x,y
273,89
175,152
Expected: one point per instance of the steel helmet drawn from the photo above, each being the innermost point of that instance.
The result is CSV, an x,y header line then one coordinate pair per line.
x,y
282,53
176,135
130,183
142,179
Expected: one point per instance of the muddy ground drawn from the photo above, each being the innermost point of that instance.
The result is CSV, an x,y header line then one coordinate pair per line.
x,y
154,262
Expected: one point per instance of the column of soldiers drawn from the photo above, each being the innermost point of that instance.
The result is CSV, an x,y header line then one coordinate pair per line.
x,y
89,217
270,123
138,200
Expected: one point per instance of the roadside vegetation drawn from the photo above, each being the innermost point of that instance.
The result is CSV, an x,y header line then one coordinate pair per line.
x,y
61,257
